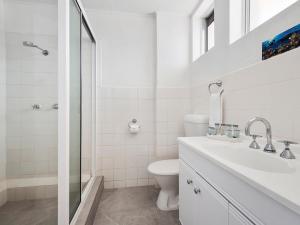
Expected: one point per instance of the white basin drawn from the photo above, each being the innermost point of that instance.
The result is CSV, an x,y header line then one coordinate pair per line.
x,y
241,155
256,159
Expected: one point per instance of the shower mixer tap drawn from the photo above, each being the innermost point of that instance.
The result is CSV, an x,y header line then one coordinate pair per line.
x,y
55,106
36,106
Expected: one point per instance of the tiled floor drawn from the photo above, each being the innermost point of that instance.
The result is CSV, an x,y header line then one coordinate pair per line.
x,y
132,206
29,212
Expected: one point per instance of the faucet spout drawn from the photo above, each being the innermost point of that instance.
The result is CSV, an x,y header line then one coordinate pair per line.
x,y
269,146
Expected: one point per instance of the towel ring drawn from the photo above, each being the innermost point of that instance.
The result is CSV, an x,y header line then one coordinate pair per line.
x,y
218,83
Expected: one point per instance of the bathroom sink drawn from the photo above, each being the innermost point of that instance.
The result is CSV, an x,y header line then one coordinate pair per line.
x,y
241,155
255,159
221,162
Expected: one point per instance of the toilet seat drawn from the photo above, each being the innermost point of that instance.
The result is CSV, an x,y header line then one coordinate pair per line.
x,y
164,167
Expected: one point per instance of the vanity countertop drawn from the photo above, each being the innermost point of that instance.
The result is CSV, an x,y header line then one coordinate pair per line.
x,y
276,177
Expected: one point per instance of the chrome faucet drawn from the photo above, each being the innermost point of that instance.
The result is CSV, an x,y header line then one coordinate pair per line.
x,y
269,146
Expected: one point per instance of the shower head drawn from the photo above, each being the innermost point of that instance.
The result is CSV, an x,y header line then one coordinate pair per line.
x,y
30,44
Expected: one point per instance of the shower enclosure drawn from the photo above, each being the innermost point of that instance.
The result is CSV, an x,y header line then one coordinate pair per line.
x,y
47,112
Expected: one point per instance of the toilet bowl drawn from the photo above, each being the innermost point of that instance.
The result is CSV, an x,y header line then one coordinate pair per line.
x,y
166,174
166,171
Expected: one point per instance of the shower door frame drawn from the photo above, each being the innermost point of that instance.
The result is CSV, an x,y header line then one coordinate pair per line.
x,y
64,110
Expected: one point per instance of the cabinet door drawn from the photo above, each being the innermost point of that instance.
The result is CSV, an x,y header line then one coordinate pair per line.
x,y
211,207
236,218
186,194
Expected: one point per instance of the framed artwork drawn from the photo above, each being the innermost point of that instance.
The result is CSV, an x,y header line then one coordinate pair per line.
x,y
281,43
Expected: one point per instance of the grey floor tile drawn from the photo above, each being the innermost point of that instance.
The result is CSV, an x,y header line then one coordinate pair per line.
x,y
129,206
29,212
132,206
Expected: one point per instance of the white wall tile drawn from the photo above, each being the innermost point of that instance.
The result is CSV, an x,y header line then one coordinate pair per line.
x,y
131,173
108,184
107,163
127,93
32,79
131,89
264,90
119,174
146,93
143,173
108,175
119,184
143,182
131,183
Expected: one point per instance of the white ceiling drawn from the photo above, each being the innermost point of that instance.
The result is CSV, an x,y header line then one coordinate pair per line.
x,y
143,6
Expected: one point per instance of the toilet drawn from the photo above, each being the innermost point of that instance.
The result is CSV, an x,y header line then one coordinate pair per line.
x,y
166,171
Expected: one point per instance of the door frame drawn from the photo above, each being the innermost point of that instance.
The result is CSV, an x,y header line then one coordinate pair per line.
x,y
64,110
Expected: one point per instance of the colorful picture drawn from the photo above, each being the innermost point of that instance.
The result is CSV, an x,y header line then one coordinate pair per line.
x,y
281,43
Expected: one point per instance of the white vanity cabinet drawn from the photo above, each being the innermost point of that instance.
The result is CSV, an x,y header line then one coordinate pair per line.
x,y
200,204
186,195
224,195
236,218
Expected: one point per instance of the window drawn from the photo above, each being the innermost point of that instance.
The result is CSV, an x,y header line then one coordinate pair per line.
x,y
246,15
263,10
210,31
203,27
237,13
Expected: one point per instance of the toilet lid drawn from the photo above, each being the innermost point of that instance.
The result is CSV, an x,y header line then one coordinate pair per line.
x,y
164,167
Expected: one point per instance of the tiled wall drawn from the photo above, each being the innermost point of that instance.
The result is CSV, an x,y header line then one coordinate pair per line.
x,y
122,158
31,79
125,91
139,79
171,106
172,82
269,89
32,193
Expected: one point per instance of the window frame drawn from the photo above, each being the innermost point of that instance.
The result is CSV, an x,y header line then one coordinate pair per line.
x,y
246,19
208,21
198,23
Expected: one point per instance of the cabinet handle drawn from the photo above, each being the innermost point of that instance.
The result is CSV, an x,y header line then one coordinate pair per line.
x,y
197,190
189,181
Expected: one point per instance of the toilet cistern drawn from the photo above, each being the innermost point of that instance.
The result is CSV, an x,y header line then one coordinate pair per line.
x,y
269,146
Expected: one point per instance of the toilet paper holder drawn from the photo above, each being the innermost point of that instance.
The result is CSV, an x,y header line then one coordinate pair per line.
x,y
133,126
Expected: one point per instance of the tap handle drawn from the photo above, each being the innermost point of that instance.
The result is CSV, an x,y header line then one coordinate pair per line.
x,y
254,136
287,153
254,144
287,143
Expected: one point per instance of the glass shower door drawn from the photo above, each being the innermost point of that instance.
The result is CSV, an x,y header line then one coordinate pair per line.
x,y
75,108
87,54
